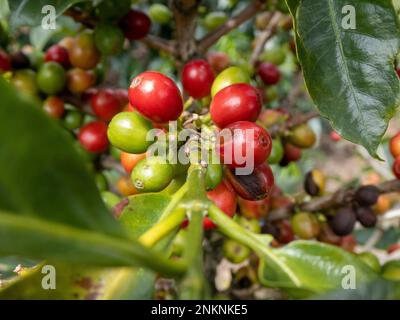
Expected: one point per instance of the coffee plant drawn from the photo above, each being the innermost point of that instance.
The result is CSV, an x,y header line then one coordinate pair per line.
x,y
190,149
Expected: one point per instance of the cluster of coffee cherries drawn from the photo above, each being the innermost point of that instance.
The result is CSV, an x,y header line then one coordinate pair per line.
x,y
155,100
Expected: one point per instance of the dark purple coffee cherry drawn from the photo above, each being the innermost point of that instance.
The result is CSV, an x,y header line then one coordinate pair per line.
x,y
342,223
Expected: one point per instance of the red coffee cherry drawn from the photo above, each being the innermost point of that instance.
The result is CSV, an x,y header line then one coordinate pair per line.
x,y
292,154
255,186
93,136
218,61
54,107
398,72
237,102
130,160
242,143
396,167
335,136
156,97
135,25
394,145
269,73
105,104
224,198
197,78
58,54
5,62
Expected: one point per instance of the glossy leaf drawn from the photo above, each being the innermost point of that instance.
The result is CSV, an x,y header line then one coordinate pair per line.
x,y
42,173
317,267
29,12
350,73
80,283
142,212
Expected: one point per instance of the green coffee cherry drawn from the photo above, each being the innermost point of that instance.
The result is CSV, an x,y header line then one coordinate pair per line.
x,y
214,175
227,77
277,151
152,174
51,78
234,251
160,13
108,39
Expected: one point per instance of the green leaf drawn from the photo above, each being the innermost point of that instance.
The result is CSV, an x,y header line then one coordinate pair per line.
x,y
43,174
4,9
142,212
29,12
350,73
81,283
317,267
376,290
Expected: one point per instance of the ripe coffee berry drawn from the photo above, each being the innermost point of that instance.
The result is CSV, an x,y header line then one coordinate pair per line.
x,y
156,97
366,217
105,104
255,186
57,54
5,63
19,60
269,73
197,78
84,53
54,107
135,25
342,223
79,80
291,154
244,143
93,136
366,195
396,167
224,198
394,145
237,102
314,183
218,61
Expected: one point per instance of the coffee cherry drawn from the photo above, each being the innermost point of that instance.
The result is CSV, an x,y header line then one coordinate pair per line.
x,y
67,43
128,130
366,196
271,117
393,248
291,154
270,228
305,225
237,102
382,205
72,120
105,104
251,225
327,235
5,62
84,53
335,137
79,80
19,60
269,73
314,183
370,260
394,145
25,81
54,107
58,54
152,174
214,175
135,25
244,143
228,77
111,11
160,13
156,97
255,186
101,182
108,39
224,198
254,209
130,160
234,251
286,234
398,72
342,223
214,19
93,136
275,55
51,78
396,167
197,78
366,217
218,61
126,187
276,152
302,136
348,243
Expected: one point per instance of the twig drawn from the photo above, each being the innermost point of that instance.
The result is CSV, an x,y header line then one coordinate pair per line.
x,y
264,36
82,17
158,43
340,198
282,129
209,39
